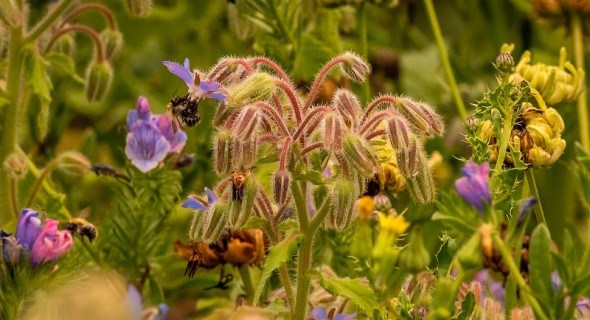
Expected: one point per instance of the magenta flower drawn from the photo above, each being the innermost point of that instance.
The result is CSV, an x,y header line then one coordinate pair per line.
x,y
176,140
197,88
28,228
51,243
473,185
146,146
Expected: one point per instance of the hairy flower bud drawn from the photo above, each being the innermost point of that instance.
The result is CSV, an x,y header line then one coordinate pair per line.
x,y
409,159
99,76
208,225
222,142
504,63
360,154
16,165
280,186
242,206
66,44
398,131
227,72
113,42
139,8
414,257
246,123
342,196
421,116
257,87
421,186
354,67
10,13
382,203
243,153
74,162
348,106
332,129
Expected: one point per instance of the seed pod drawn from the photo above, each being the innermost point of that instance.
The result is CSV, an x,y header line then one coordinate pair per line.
x,y
398,131
257,87
207,226
342,197
99,76
332,132
360,154
243,152
348,106
241,209
354,67
113,42
246,123
421,116
281,181
139,8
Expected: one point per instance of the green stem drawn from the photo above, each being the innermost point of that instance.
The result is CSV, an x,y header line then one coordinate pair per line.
x,y
47,21
247,280
363,33
578,37
515,272
48,168
283,271
530,178
14,198
506,131
445,59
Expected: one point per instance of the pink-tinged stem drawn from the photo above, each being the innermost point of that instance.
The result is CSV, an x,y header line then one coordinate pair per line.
x,y
91,6
265,124
374,121
374,134
309,116
313,126
311,147
277,102
273,65
268,110
290,92
84,29
318,81
376,103
246,65
285,153
268,137
263,202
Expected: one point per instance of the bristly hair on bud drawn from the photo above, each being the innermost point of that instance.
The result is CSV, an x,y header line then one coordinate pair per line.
x,y
348,106
398,131
246,123
422,187
281,180
332,130
354,67
228,71
99,76
243,152
139,8
258,86
241,208
359,153
343,195
409,159
421,116
73,162
113,41
222,142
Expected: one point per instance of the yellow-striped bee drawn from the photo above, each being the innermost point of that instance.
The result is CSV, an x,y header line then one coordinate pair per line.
x,y
83,228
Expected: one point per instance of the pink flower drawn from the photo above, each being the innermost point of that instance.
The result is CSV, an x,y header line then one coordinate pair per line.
x,y
51,243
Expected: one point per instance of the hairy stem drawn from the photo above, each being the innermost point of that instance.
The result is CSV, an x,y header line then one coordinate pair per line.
x,y
308,117
91,6
290,92
273,65
98,45
49,19
275,117
530,178
445,59
318,81
578,37
48,168
377,102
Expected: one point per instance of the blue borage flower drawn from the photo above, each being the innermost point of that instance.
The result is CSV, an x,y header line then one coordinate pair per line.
x,y
193,203
320,313
198,88
473,185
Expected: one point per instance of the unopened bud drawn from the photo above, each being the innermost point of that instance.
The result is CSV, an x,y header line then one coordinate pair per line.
x,y
342,196
365,206
348,106
382,203
408,159
398,131
65,44
281,181
246,123
360,154
222,142
354,67
139,8
332,132
422,116
16,165
244,152
222,114
74,162
504,63
469,256
472,123
99,76
10,250
207,226
421,186
10,13
113,42
414,257
242,207
257,87
227,72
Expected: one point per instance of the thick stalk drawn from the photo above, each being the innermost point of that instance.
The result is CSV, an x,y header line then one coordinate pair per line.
x,y
247,281
578,37
445,59
539,214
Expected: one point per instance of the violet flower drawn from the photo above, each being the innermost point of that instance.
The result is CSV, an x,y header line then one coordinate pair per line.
x,y
473,185
141,112
176,140
51,243
146,146
320,313
496,287
198,205
197,88
28,228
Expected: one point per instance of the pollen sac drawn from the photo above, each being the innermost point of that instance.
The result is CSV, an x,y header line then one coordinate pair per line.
x,y
242,207
99,76
281,181
246,123
360,154
354,67
332,127
398,131
348,106
244,152
422,116
257,87
222,142
343,195
208,225
113,42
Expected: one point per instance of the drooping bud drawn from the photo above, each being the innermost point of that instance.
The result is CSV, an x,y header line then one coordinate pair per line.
x,y
222,114
16,165
504,63
421,116
208,225
348,106
422,187
113,42
257,87
354,67
398,131
408,159
222,142
360,154
74,162
66,44
243,153
227,72
469,256
332,132
10,13
246,123
414,257
281,181
242,207
342,195
139,8
99,76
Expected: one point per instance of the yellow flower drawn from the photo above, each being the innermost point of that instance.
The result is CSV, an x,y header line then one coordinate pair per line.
x,y
395,224
365,207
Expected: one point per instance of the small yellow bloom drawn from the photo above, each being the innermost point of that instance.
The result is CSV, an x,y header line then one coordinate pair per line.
x,y
365,207
393,224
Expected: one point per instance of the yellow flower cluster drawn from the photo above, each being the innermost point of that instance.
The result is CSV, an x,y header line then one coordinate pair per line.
x,y
393,224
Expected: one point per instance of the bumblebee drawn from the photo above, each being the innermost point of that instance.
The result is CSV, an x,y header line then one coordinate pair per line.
x,y
388,179
238,178
183,111
82,227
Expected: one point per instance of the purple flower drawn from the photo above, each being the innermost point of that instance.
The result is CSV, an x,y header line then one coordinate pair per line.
x,y
198,88
51,243
176,140
525,206
135,306
146,146
28,228
496,287
198,205
141,112
320,313
10,249
473,185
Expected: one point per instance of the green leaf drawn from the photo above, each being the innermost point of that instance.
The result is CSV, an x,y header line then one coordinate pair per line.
x,y
310,57
540,259
288,226
64,65
467,306
37,77
454,222
277,255
353,289
314,177
156,293
444,256
254,222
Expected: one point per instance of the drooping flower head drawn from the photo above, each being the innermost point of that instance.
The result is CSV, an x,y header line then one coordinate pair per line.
x,y
146,146
28,228
51,243
473,185
198,88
